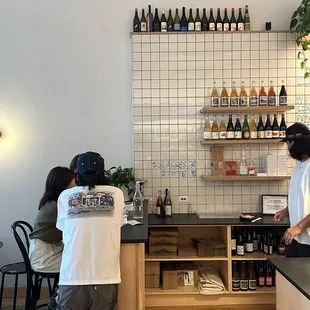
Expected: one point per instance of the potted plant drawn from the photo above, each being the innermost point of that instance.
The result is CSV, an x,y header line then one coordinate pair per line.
x,y
300,24
122,178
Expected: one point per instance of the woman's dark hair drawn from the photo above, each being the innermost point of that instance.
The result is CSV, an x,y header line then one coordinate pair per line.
x,y
300,148
91,180
73,164
56,182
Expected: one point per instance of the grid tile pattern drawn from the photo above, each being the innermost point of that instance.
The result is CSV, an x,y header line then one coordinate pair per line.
x,y
173,76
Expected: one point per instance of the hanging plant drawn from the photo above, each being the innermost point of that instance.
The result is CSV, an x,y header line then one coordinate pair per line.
x,y
300,24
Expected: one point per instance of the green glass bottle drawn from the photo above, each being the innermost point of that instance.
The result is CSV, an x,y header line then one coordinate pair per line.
x,y
245,129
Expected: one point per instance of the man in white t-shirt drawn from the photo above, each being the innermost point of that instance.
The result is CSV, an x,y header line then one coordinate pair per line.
x,y
297,237
90,217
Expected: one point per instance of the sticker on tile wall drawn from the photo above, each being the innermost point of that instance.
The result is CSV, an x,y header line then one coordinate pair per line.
x,y
303,110
176,168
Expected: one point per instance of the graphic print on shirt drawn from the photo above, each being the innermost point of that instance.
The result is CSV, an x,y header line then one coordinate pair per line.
x,y
90,202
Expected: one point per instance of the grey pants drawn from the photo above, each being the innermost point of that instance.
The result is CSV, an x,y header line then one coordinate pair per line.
x,y
88,297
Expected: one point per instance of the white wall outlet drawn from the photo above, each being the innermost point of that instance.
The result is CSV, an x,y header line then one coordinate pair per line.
x,y
183,199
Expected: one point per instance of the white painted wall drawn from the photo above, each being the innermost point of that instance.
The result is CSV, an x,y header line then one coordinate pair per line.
x,y
65,87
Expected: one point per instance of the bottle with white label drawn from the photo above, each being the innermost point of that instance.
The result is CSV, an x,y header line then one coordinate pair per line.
x,y
197,21
240,21
219,21
233,21
283,95
238,130
215,102
282,128
268,128
224,96
168,204
263,99
143,22
240,244
251,168
243,165
230,129
226,24
207,130
253,95
223,133
253,129
215,130
211,21
234,98
191,22
243,102
249,248
163,22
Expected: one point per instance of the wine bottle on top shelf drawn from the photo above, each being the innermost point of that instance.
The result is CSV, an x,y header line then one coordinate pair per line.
x,y
243,102
226,25
136,22
283,95
253,129
163,22
143,23
240,21
268,128
156,21
184,24
150,20
271,95
282,128
219,21
224,96
263,99
255,240
223,132
197,21
249,248
214,96
191,22
211,21
260,128
245,129
207,130
275,128
247,22
238,130
230,129
234,98
233,21
204,21
170,21
215,130
253,95
177,21
233,242
240,244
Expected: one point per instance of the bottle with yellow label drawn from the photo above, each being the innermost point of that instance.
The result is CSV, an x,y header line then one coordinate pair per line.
x,y
215,130
253,129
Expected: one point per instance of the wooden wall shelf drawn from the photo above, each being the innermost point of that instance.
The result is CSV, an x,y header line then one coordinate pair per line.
x,y
258,109
245,178
256,141
165,258
256,256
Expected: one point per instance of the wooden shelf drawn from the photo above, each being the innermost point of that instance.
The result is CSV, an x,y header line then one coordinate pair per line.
x,y
256,141
256,256
245,178
163,258
259,290
181,290
258,109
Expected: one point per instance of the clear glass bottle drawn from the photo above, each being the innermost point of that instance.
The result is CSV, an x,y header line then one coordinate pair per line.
x,y
138,204
243,165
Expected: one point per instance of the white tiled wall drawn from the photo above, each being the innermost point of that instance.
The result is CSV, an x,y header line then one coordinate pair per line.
x,y
173,76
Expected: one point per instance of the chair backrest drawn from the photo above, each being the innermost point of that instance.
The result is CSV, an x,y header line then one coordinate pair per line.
x,y
21,231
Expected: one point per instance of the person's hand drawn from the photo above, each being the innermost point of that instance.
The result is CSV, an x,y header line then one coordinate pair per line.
x,y
280,215
291,233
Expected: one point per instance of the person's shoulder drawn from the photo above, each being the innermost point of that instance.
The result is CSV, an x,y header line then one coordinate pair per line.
x,y
68,192
110,189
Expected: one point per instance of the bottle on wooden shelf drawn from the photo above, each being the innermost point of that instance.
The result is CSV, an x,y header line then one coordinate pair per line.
x,y
253,129
261,274
230,129
222,129
268,128
226,24
252,277
214,96
204,21
233,242
197,21
233,21
243,165
219,21
235,277
247,22
253,95
282,134
244,281
207,130
260,128
156,21
249,247
170,24
184,24
283,95
212,26
177,21
263,99
143,23
243,102
245,129
272,101
240,21
215,130
163,22
240,244
150,20
234,98
224,96
275,128
136,22
191,22
238,130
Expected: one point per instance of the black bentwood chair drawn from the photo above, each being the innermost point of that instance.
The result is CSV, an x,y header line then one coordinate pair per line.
x,y
21,230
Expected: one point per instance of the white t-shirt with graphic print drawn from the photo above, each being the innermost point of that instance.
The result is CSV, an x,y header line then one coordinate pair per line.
x,y
91,225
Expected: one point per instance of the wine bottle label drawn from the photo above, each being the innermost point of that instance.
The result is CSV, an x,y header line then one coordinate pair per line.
x,y
184,28
158,210
163,26
240,250
233,27
234,101
212,26
283,100
261,281
191,26
265,248
238,134
253,101
170,27
197,26
269,281
253,134
255,245
252,285
168,210
275,134
249,247
223,135
230,135
226,26
246,135
243,170
263,100
252,171
247,26
219,27
270,248
207,135
214,102
243,101
244,285
240,26
261,134
282,134
143,26
215,135
268,134
236,285
177,27
224,101
272,100
233,244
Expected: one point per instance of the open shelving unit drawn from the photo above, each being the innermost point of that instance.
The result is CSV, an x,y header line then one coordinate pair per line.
x,y
165,258
249,109
250,141
245,178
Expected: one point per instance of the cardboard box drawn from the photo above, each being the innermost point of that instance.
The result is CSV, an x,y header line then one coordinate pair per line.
x,y
170,279
152,281
163,240
152,268
187,277
217,154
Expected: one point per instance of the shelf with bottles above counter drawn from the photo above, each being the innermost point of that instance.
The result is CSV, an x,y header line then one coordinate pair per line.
x,y
245,177
250,141
247,109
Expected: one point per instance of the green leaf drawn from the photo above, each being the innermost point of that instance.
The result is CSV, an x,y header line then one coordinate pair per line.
x,y
299,54
302,65
293,24
306,75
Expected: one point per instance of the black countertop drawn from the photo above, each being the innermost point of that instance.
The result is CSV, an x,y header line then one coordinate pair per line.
x,y
138,233
296,271
193,219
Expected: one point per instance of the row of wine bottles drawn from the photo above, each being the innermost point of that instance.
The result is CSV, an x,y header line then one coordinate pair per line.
x,y
245,131
164,207
154,24
248,275
267,240
242,99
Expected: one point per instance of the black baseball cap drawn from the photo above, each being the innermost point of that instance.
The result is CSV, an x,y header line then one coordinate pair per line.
x,y
296,131
90,163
